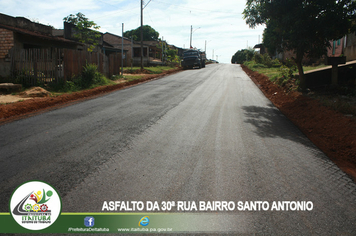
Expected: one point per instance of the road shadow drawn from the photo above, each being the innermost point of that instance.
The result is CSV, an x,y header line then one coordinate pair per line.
x,y
271,123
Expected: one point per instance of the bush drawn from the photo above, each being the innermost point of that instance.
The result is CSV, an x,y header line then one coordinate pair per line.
x,y
258,65
90,76
258,58
285,74
267,60
276,63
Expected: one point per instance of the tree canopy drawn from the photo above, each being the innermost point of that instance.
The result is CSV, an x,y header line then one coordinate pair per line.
x,y
302,26
149,34
242,55
86,29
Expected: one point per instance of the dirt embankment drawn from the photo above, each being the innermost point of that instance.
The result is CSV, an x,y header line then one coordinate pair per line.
x,y
332,132
13,111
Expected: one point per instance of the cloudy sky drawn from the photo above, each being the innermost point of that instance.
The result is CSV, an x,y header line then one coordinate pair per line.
x,y
217,22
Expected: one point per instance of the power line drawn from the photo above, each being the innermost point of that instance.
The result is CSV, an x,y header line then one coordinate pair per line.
x,y
197,9
147,4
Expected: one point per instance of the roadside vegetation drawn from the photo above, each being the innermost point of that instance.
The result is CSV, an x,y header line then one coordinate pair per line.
x,y
135,73
278,72
147,70
341,99
303,27
89,78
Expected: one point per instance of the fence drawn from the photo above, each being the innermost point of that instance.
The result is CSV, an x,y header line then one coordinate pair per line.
x,y
39,66
33,66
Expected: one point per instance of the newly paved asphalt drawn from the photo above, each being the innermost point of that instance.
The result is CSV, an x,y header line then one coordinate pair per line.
x,y
198,135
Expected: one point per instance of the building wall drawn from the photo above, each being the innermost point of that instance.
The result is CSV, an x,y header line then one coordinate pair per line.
x,y
345,46
336,48
115,41
6,42
350,47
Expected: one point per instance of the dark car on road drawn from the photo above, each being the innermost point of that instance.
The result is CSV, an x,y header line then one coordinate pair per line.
x,y
193,58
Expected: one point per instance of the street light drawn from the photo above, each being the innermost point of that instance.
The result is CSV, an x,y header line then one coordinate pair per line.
x,y
191,33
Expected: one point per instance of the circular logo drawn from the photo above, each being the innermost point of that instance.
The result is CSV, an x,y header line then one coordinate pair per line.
x,y
144,221
35,205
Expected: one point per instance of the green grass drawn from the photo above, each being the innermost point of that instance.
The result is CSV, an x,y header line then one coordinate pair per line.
x,y
262,69
274,71
133,77
151,70
308,68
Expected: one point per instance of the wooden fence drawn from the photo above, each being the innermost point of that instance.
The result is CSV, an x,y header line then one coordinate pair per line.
x,y
34,66
39,66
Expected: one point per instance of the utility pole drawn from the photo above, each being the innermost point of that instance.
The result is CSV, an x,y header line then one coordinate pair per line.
x,y
142,7
191,33
141,34
122,51
132,53
205,47
162,51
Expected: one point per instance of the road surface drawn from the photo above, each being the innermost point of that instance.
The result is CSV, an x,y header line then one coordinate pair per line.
x,y
198,135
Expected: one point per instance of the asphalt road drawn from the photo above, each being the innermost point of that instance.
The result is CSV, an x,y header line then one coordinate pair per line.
x,y
198,135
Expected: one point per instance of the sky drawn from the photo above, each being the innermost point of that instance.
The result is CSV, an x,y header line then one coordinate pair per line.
x,y
217,25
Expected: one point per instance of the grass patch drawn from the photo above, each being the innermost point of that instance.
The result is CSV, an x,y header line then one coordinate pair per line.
x,y
309,68
271,73
147,70
133,77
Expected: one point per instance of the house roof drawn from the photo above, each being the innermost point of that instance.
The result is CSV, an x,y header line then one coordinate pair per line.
x,y
259,45
117,36
37,34
108,47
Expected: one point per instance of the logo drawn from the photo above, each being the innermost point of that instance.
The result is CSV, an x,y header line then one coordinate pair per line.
x,y
35,205
89,221
144,221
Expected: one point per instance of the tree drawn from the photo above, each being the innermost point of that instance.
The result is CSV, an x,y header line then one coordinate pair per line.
x,y
239,57
243,55
302,26
86,30
149,34
172,55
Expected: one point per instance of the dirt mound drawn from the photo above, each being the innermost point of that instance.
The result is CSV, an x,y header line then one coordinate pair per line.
x,y
332,132
9,112
35,92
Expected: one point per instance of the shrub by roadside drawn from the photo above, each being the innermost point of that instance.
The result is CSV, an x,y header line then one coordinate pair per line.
x,y
89,78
